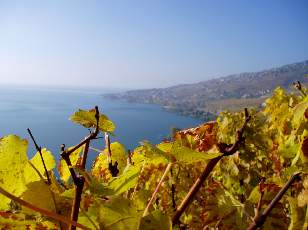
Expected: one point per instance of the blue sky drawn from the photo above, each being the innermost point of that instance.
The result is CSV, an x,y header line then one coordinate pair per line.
x,y
146,43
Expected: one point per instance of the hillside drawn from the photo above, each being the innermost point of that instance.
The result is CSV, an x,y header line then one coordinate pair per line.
x,y
233,92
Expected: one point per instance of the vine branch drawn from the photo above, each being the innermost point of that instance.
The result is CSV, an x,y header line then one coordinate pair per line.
x,y
77,199
49,187
259,220
226,150
85,155
299,87
173,189
259,205
39,149
140,175
129,158
194,189
42,211
156,189
113,168
79,180
231,149
91,136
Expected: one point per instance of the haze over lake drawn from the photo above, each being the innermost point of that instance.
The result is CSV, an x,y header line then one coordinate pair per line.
x,y
46,113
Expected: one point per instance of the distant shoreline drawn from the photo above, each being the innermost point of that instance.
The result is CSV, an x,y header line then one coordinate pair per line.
x,y
208,98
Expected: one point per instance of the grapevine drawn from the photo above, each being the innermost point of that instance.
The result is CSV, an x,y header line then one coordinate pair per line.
x,y
246,170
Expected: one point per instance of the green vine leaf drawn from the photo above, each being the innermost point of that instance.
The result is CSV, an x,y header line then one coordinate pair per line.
x,y
297,215
35,169
86,118
38,193
126,181
186,155
156,220
9,220
118,213
48,159
100,165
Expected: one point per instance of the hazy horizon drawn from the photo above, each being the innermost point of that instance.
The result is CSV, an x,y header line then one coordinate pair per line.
x,y
113,89
136,44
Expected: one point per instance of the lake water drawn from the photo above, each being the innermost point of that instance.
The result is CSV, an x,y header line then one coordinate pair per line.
x,y
46,113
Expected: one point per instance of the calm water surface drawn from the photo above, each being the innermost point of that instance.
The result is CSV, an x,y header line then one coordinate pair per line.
x,y
46,113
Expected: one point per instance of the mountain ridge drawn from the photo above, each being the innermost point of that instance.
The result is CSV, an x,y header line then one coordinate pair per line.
x,y
209,97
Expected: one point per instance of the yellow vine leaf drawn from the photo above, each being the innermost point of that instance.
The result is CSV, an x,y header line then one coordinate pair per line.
x,y
35,166
118,213
13,158
38,193
156,220
100,165
87,119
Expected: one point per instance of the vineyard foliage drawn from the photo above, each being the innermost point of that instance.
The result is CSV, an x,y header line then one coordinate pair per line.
x,y
275,146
